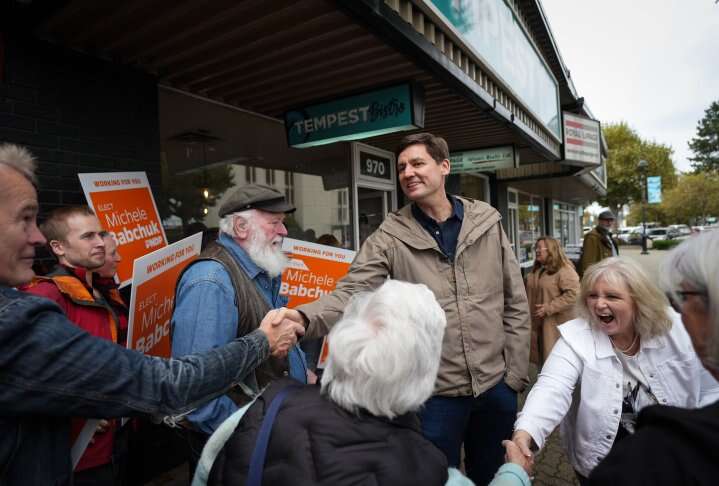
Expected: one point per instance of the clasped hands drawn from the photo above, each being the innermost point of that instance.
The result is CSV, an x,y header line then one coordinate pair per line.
x,y
282,327
519,450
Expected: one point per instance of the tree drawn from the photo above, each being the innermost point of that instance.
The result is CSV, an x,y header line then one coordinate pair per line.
x,y
626,149
184,194
706,144
695,197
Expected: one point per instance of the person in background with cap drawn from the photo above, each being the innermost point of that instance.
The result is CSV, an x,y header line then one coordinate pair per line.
x,y
225,293
598,243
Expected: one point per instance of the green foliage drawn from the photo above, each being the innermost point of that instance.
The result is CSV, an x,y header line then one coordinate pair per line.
x,y
694,198
655,213
665,244
706,144
184,196
626,149
691,201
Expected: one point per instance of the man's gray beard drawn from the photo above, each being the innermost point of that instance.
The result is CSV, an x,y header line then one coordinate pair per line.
x,y
265,255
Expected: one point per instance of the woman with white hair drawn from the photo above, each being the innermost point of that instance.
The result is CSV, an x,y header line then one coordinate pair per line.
x,y
675,445
626,351
360,426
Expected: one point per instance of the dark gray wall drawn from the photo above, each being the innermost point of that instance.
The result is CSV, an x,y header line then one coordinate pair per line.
x,y
77,114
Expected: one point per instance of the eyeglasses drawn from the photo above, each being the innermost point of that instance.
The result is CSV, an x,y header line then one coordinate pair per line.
x,y
678,297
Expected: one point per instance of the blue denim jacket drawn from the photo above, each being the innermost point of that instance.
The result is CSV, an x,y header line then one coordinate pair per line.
x,y
51,370
205,317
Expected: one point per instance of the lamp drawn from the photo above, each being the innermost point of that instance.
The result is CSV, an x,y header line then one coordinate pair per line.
x,y
643,164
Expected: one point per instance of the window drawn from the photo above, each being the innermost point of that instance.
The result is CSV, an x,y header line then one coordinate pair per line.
x,y
565,223
250,175
270,177
530,219
248,149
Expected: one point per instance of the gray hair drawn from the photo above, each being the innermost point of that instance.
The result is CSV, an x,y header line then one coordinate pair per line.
x,y
695,262
651,308
385,351
227,223
20,159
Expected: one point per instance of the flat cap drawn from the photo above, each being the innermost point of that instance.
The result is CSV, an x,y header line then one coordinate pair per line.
x,y
606,215
256,196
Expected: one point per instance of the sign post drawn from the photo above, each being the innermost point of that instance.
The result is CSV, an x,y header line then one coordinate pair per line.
x,y
153,295
313,272
654,189
124,205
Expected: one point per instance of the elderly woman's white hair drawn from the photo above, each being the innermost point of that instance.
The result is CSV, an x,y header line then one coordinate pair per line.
x,y
695,262
385,352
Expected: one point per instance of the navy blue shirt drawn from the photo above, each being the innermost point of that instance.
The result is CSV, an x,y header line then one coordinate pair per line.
x,y
447,232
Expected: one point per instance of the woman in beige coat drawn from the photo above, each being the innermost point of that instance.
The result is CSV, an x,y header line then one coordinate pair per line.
x,y
552,288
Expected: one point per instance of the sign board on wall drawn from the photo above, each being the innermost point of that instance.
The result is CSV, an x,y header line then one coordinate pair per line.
x,y
654,189
582,142
369,114
124,205
153,295
483,160
493,31
313,272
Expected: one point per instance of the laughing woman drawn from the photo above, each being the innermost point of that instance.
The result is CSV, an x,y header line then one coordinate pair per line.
x,y
627,350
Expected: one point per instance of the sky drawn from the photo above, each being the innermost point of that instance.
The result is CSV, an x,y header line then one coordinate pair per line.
x,y
651,63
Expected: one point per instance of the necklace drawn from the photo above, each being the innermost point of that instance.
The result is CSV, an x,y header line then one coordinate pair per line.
x,y
631,345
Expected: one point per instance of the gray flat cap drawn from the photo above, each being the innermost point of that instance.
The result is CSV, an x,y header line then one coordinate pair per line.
x,y
256,196
607,215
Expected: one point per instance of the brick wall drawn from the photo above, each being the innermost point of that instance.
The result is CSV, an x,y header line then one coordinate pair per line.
x,y
76,114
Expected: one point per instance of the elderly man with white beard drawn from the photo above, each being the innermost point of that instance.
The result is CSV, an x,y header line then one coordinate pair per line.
x,y
225,293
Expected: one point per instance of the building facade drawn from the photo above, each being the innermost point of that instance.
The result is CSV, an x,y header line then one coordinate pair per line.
x,y
302,95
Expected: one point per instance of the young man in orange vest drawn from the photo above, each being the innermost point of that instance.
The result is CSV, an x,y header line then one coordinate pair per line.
x,y
75,237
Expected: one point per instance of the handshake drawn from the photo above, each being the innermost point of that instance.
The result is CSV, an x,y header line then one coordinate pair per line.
x,y
519,450
282,327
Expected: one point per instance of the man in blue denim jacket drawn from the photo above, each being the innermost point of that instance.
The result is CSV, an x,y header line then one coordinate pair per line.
x,y
50,370
235,279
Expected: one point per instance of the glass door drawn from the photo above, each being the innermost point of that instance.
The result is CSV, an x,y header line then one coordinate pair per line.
x,y
375,188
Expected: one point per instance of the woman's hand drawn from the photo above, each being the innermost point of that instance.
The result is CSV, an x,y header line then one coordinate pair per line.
x,y
525,443
513,454
539,311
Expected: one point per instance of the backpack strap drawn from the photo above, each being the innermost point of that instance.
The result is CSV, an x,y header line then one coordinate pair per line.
x,y
259,454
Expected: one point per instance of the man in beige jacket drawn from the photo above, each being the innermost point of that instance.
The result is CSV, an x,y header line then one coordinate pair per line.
x,y
456,247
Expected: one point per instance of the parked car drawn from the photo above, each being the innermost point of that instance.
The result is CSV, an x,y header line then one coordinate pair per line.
x,y
658,234
679,231
625,234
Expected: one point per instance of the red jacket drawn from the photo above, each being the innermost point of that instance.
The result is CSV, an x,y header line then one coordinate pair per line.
x,y
67,287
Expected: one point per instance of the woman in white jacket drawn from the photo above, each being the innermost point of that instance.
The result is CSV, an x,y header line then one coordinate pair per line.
x,y
627,350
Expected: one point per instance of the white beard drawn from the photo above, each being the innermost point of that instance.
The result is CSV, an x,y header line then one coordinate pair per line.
x,y
267,256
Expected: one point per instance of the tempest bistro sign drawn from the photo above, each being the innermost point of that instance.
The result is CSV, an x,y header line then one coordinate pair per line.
x,y
386,110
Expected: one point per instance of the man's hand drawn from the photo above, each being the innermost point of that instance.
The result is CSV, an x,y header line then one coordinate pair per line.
x,y
539,311
292,315
512,453
281,333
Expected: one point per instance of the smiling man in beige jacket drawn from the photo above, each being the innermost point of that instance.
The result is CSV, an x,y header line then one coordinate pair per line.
x,y
457,247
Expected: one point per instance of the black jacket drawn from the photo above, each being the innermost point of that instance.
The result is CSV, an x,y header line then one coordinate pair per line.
x,y
314,441
672,446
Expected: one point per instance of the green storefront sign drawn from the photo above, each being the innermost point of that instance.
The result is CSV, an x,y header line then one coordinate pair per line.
x,y
482,160
386,110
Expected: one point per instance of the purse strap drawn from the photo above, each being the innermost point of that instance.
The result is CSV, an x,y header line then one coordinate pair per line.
x,y
257,461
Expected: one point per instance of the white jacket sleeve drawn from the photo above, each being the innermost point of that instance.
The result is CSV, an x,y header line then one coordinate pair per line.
x,y
550,398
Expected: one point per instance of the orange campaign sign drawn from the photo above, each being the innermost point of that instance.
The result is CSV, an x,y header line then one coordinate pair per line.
x,y
153,295
313,271
125,207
